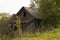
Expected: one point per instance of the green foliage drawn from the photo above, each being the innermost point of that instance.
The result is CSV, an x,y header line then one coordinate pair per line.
x,y
4,15
3,18
53,34
48,10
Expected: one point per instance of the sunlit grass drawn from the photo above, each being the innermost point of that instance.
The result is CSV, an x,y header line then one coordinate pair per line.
x,y
53,34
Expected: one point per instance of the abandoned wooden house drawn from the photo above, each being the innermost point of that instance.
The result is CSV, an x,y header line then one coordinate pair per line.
x,y
29,19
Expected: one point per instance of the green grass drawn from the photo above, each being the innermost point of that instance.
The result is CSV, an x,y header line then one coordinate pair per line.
x,y
51,35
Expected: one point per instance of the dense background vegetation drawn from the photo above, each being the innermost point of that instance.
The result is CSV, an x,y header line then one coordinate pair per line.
x,y
48,10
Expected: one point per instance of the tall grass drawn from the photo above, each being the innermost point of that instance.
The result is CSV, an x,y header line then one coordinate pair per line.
x,y
53,34
48,35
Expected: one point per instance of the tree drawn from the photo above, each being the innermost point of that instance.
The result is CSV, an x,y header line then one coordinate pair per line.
x,y
4,15
3,18
48,11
